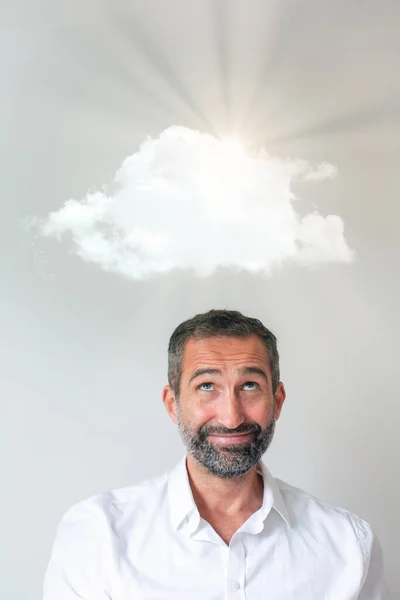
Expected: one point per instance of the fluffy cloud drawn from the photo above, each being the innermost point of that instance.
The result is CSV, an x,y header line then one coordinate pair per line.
x,y
187,200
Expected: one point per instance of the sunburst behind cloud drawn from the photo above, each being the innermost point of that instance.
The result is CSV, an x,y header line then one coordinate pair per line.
x,y
187,200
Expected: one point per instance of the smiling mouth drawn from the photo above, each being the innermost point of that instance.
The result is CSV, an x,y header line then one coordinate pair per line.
x,y
237,438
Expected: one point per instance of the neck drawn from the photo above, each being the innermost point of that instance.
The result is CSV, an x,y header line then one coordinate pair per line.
x,y
224,496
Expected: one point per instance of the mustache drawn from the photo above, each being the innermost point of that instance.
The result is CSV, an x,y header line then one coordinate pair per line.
x,y
243,428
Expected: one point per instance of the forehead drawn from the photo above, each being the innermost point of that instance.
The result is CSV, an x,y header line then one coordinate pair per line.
x,y
224,351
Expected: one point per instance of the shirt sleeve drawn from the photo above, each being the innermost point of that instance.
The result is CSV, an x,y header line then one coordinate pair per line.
x,y
77,567
375,586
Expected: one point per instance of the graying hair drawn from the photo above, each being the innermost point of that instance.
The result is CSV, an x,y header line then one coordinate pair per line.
x,y
218,323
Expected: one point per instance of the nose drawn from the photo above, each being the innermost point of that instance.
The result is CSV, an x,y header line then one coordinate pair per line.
x,y
230,410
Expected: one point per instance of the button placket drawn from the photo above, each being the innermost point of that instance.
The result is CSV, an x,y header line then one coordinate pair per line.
x,y
236,569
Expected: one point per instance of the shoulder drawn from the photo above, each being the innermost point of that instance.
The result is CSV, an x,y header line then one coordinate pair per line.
x,y
88,539
332,524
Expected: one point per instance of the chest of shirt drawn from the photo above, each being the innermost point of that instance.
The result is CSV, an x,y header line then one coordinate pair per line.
x,y
166,565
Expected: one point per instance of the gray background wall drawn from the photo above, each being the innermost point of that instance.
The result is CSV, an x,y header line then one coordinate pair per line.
x,y
83,353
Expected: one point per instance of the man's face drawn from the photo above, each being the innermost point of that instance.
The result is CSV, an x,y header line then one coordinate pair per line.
x,y
227,410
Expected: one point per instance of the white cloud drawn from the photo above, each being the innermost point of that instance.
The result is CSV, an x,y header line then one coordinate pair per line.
x,y
188,200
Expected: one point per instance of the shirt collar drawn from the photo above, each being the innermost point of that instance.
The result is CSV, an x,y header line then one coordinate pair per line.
x,y
272,494
182,505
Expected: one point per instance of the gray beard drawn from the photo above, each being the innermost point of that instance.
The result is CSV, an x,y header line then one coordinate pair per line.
x,y
227,461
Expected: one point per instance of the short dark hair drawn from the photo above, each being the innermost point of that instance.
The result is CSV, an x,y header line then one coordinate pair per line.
x,y
218,323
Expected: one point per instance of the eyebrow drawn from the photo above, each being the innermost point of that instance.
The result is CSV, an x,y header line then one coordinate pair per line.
x,y
254,371
243,371
200,372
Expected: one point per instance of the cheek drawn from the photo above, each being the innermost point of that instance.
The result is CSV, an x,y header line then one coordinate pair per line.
x,y
260,413
198,415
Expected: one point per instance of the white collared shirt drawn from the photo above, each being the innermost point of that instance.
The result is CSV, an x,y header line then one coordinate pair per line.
x,y
148,542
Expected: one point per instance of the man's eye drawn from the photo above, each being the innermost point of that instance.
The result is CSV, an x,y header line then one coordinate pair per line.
x,y
205,387
253,385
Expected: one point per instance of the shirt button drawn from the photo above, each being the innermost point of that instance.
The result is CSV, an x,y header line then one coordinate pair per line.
x,y
235,585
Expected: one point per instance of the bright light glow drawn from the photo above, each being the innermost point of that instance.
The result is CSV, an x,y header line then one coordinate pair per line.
x,y
190,201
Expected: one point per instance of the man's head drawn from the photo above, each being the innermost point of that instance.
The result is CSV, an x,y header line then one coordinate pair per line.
x,y
223,373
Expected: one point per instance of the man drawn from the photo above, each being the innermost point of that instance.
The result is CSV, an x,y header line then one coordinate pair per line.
x,y
218,526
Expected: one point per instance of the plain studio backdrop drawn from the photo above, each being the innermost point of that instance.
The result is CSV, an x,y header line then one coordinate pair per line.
x,y
83,352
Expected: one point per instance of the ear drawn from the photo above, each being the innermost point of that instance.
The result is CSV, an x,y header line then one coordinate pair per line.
x,y
280,396
168,398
